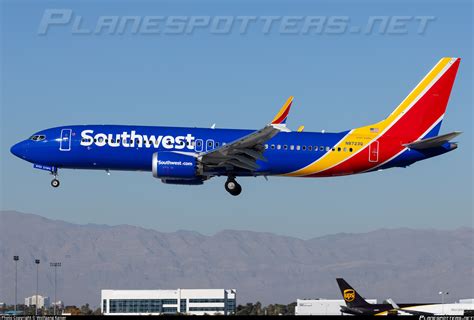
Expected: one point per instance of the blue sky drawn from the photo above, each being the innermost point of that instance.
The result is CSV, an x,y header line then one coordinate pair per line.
x,y
339,81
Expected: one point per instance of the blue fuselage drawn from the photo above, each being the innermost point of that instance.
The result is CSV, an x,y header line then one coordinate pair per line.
x,y
117,147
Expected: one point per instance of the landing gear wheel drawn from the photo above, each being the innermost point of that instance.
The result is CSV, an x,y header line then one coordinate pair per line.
x,y
55,183
232,187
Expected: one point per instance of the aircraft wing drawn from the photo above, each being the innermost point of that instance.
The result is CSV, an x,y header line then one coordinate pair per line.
x,y
432,142
244,152
417,313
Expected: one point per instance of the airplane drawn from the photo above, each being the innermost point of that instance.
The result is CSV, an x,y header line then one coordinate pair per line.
x,y
357,305
190,156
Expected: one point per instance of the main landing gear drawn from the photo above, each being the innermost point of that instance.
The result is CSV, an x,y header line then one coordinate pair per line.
x,y
232,187
55,182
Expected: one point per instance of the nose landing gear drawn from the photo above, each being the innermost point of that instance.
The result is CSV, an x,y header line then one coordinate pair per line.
x,y
232,186
55,182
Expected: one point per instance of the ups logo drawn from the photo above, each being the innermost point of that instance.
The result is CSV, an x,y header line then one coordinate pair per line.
x,y
349,295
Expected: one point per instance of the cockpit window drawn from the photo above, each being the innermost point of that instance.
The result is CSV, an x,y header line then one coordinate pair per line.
x,y
38,137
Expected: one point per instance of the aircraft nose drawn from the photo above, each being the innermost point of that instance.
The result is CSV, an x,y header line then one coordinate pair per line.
x,y
19,149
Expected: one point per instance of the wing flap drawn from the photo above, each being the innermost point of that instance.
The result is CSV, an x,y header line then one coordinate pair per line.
x,y
257,155
239,164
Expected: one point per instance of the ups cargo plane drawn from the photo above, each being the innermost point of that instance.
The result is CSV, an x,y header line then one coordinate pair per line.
x,y
357,305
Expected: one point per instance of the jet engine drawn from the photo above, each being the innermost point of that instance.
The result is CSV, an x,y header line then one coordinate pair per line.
x,y
175,168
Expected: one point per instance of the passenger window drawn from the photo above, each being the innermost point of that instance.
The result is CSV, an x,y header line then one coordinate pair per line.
x,y
338,149
345,149
266,146
350,149
217,144
304,148
292,147
273,147
285,147
278,147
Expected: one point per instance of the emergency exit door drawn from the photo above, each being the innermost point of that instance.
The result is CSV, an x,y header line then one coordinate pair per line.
x,y
374,152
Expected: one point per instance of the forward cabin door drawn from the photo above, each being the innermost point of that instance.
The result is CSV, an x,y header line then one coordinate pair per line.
x,y
65,143
374,152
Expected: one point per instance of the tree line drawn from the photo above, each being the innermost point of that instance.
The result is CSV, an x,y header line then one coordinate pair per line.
x,y
30,310
256,309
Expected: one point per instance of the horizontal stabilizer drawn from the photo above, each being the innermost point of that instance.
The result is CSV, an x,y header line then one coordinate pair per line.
x,y
432,142
408,311
394,305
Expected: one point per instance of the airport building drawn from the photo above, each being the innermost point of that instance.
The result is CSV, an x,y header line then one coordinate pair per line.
x,y
309,307
38,300
156,302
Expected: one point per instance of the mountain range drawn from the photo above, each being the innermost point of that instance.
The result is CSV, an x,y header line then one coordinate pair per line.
x,y
404,264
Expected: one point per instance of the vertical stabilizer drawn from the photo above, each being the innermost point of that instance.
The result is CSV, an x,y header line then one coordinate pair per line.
x,y
350,295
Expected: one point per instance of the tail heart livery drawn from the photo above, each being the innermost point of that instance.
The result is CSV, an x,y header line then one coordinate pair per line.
x,y
190,156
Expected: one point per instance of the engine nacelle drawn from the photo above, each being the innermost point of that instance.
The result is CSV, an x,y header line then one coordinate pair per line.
x,y
174,166
187,182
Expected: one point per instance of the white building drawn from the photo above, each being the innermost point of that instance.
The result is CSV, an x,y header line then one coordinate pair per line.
x,y
307,307
38,300
155,302
59,304
467,301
